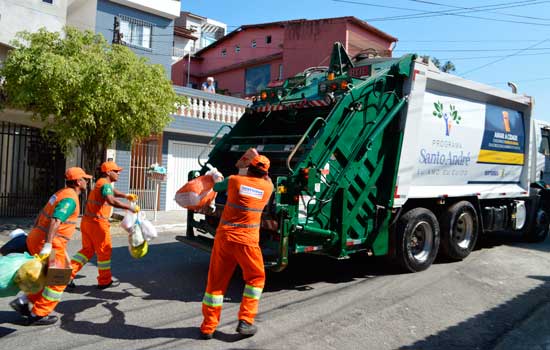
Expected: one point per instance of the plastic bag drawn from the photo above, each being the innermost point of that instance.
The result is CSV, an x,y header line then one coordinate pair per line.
x,y
31,276
149,231
197,193
9,265
246,158
16,244
129,220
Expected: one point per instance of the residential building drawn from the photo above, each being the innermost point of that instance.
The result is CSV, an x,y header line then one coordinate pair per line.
x,y
29,15
248,58
193,32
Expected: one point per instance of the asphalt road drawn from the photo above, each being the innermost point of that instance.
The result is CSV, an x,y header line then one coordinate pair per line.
x,y
317,303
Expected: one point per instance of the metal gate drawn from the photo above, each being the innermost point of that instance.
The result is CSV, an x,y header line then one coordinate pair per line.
x,y
31,169
144,153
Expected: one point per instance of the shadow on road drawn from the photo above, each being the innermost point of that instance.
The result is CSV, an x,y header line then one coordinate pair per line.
x,y
485,329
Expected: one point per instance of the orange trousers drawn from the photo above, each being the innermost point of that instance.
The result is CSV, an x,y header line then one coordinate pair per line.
x,y
45,301
226,255
96,239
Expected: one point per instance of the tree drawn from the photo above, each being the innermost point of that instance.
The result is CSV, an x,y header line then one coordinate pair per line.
x,y
87,92
447,67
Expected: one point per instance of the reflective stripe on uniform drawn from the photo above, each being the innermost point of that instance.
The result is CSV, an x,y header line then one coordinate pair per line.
x,y
212,300
104,265
97,202
80,258
236,206
51,294
239,225
252,292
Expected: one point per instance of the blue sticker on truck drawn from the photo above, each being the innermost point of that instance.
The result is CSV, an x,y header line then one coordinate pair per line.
x,y
504,137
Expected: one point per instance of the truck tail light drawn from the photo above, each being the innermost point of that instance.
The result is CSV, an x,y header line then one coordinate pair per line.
x,y
263,95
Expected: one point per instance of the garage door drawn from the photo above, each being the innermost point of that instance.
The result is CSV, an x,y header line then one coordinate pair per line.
x,y
182,158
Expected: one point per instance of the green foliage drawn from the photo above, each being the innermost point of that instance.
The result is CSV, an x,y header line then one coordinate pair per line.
x,y
446,67
88,92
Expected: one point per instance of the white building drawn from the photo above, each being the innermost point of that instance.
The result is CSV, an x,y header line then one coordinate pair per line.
x,y
193,32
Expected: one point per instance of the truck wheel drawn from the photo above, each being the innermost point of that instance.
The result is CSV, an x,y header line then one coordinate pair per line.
x,y
459,230
417,239
537,226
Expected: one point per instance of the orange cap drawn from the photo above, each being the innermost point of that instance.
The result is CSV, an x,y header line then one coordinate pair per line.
x,y
76,173
110,166
260,162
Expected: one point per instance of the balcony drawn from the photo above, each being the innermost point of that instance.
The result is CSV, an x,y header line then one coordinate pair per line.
x,y
210,107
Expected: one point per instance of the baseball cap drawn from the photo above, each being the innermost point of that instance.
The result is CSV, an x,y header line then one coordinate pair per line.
x,y
110,166
261,163
76,173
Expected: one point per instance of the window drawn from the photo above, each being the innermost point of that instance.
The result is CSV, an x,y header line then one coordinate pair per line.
x,y
253,43
224,52
237,48
48,1
135,32
268,39
257,78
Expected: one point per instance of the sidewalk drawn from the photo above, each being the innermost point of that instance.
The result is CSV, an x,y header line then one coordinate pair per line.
x,y
167,221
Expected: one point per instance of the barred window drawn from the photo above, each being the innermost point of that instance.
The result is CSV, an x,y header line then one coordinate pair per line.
x,y
136,32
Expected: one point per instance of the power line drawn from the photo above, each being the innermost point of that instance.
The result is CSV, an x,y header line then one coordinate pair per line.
x,y
457,13
504,57
464,8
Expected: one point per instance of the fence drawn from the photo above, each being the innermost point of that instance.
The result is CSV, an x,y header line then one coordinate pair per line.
x,y
213,107
31,170
144,154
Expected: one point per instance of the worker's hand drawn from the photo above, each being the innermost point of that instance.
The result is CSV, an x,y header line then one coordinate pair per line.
x,y
135,208
216,175
132,197
46,251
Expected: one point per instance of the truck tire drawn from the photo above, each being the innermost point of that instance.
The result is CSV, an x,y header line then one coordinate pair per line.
x,y
417,239
537,225
459,230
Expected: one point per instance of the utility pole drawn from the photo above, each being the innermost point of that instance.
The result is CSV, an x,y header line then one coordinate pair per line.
x,y
116,32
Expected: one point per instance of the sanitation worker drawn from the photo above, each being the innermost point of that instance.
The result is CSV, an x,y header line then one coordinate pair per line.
x,y
237,243
53,228
95,226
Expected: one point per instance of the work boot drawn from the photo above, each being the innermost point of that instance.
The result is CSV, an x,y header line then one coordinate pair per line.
x,y
207,336
21,308
246,329
110,284
41,320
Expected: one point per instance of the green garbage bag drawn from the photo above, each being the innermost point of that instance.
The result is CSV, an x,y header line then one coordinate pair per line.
x,y
9,264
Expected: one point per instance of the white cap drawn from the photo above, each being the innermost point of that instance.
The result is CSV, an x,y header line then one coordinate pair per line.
x,y
210,78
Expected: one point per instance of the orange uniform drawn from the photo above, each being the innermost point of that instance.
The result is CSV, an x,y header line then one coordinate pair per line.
x,y
96,237
47,299
237,243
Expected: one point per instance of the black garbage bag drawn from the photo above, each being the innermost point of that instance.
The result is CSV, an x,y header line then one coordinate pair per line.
x,y
18,244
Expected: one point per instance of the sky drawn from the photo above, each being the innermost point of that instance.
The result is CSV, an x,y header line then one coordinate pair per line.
x,y
489,41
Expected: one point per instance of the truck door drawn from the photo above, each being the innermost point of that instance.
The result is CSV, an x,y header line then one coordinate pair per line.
x,y
544,150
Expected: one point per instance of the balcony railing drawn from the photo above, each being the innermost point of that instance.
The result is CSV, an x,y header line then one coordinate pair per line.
x,y
214,107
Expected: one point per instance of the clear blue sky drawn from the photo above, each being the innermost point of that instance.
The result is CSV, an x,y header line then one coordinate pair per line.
x,y
470,33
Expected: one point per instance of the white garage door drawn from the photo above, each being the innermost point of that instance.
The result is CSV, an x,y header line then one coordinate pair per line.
x,y
182,158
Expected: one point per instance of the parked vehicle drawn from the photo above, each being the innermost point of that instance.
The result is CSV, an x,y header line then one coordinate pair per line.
x,y
387,156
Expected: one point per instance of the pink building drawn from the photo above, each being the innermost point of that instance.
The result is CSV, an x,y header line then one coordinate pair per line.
x,y
247,59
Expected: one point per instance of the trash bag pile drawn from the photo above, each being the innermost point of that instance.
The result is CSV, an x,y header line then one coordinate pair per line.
x,y
11,280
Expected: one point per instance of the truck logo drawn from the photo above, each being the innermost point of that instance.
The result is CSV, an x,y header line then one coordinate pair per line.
x,y
449,117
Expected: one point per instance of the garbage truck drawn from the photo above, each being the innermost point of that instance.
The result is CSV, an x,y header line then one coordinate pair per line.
x,y
385,157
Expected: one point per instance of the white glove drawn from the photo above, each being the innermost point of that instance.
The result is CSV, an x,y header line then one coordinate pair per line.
x,y
216,175
46,250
